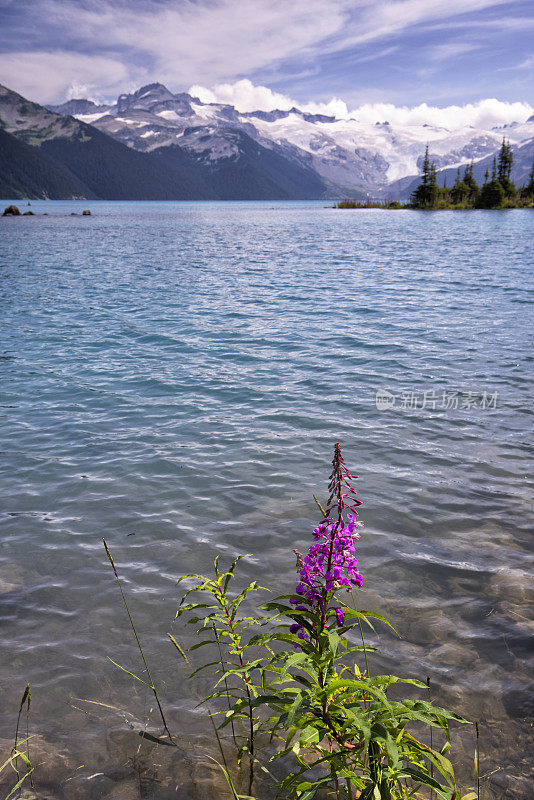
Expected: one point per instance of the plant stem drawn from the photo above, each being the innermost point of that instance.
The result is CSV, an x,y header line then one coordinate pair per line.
x,y
216,632
138,642
336,782
218,739
478,761
25,697
364,645
249,696
28,734
431,741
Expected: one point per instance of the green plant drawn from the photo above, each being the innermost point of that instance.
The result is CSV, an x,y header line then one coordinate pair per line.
x,y
225,630
12,762
150,682
17,753
334,725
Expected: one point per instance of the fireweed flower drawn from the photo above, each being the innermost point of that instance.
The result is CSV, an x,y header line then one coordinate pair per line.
x,y
330,564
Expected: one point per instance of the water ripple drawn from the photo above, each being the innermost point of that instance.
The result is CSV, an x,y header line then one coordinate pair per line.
x,y
173,377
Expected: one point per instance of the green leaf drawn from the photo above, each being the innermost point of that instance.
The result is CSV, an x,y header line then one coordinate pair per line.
x,y
127,671
309,735
175,643
423,777
297,702
354,686
204,666
151,738
293,660
392,751
18,784
201,644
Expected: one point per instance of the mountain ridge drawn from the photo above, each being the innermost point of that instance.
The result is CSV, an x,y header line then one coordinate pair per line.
x,y
351,156
153,144
110,169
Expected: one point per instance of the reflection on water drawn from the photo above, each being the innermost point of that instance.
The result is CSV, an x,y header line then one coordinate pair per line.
x,y
174,377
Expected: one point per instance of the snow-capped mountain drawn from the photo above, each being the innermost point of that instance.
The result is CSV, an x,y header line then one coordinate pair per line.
x,y
47,154
351,156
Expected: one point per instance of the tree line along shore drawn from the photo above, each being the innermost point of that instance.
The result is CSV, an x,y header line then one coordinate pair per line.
x,y
497,191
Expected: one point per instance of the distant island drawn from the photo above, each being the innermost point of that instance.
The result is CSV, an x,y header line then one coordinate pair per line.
x,y
497,191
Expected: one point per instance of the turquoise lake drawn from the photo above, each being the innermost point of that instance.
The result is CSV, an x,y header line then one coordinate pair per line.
x,y
174,377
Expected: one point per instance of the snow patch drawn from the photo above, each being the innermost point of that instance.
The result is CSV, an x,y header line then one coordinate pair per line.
x,y
90,118
169,114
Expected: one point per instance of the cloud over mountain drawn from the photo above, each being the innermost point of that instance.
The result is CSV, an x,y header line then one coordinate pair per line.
x,y
402,50
484,114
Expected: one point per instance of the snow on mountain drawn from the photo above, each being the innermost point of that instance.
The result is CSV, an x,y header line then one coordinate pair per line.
x,y
47,154
351,155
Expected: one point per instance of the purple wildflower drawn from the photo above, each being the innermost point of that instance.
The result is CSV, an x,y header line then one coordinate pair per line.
x,y
330,563
340,617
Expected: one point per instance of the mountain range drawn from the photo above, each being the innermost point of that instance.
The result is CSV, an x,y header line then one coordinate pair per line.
x,y
153,144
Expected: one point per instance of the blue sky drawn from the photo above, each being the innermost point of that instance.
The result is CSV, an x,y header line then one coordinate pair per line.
x,y
404,52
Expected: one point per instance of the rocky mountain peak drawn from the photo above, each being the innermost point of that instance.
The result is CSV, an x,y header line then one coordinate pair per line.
x,y
144,98
78,106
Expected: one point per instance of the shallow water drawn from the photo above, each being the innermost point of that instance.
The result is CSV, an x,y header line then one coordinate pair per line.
x,y
174,376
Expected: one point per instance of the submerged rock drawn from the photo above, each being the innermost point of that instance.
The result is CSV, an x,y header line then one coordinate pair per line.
x,y
90,787
50,769
12,576
29,214
86,213
11,211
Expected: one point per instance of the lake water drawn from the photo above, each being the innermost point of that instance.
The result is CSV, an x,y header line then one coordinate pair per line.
x,y
174,377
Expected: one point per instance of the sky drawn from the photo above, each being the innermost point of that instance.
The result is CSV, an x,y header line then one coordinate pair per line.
x,y
323,54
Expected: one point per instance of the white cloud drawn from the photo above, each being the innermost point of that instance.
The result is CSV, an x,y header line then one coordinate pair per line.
x,y
380,20
77,90
526,64
245,96
334,108
48,77
448,50
484,114
215,41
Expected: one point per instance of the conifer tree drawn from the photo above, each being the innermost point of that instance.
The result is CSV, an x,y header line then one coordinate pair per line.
x,y
505,162
426,194
492,194
459,192
470,182
528,189
426,168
